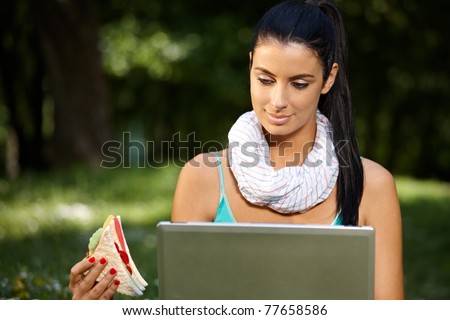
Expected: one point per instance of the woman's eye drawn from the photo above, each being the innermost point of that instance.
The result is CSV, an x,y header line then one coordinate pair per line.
x,y
299,85
265,81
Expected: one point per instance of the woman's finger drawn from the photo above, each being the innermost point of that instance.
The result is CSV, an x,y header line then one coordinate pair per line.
x,y
90,280
106,288
109,293
99,289
78,270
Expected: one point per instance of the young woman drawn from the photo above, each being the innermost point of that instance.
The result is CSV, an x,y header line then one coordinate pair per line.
x,y
295,157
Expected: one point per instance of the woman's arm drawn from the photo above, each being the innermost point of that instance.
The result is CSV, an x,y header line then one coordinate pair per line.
x,y
380,209
197,193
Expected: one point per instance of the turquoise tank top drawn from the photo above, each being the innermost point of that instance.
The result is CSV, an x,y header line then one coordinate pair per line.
x,y
224,213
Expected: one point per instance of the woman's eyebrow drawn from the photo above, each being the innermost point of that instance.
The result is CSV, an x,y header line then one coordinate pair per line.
x,y
295,77
264,70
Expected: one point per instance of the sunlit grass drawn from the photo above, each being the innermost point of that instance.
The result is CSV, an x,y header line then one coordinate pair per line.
x,y
410,189
82,199
47,219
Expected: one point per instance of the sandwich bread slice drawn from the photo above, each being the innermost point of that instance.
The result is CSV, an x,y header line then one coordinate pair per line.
x,y
109,242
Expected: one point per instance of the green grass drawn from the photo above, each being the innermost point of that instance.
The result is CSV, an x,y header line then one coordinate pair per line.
x,y
426,238
46,221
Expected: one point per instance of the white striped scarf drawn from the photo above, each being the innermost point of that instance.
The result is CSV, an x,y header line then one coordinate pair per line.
x,y
292,189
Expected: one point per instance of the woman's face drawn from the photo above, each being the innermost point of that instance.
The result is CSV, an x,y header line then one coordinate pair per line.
x,y
286,82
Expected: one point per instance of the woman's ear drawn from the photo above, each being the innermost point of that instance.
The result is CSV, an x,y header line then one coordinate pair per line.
x,y
250,61
331,78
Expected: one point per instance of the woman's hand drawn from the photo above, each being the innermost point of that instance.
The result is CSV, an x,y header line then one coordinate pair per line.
x,y
83,282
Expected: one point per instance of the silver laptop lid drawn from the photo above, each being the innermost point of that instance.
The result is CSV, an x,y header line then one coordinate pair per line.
x,y
264,261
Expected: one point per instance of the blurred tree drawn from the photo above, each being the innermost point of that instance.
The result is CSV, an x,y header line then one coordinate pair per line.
x,y
50,58
179,68
68,32
21,76
399,63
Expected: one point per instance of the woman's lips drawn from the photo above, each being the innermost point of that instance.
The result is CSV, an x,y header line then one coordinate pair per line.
x,y
277,119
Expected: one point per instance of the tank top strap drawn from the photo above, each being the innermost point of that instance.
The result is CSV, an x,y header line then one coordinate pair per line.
x,y
219,167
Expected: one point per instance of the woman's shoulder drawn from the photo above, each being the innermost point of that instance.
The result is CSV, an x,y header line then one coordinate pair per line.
x,y
380,192
202,168
375,175
197,193
204,161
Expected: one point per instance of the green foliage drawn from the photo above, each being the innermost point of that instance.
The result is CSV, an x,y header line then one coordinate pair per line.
x,y
182,67
128,44
47,220
173,68
398,62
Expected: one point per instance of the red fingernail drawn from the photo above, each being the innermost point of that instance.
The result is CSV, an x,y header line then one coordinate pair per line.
x,y
92,259
116,282
102,261
112,271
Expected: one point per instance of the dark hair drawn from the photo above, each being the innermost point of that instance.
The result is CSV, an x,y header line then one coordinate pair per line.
x,y
318,24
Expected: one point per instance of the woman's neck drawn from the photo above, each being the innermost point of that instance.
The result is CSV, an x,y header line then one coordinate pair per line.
x,y
291,150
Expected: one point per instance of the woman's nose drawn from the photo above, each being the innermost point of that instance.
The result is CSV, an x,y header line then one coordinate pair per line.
x,y
279,98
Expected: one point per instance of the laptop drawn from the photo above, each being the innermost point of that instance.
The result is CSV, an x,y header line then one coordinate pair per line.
x,y
264,261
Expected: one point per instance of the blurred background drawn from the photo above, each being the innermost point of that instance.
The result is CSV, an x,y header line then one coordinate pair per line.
x,y
163,81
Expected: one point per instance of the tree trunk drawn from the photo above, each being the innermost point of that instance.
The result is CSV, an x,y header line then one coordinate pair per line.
x,y
21,75
69,39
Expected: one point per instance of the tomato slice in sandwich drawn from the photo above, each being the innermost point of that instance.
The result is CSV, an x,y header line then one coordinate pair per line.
x,y
122,253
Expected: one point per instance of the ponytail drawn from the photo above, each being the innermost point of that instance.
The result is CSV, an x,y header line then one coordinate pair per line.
x,y
319,25
337,106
